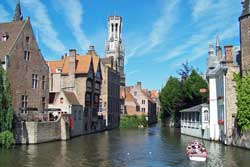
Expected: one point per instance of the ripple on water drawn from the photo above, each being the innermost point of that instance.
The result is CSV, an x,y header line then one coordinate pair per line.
x,y
149,147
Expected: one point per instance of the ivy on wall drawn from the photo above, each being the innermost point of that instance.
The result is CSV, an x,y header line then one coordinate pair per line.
x,y
6,111
243,101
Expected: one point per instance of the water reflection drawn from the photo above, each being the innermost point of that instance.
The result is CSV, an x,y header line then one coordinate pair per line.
x,y
151,147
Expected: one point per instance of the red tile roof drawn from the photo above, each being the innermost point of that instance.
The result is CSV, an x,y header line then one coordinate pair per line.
x,y
82,63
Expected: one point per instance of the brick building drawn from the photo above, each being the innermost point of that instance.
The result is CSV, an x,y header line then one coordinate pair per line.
x,y
245,37
147,106
110,93
27,71
80,74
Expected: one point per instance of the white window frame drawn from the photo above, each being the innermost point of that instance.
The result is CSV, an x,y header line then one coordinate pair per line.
x,y
34,81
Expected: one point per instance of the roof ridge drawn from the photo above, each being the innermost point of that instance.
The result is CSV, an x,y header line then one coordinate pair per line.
x,y
18,35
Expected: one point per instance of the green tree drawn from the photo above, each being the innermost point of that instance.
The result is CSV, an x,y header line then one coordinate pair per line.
x,y
243,101
171,98
191,90
6,110
177,95
185,71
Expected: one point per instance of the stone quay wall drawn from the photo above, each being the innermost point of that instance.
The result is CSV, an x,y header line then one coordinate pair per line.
x,y
240,139
39,132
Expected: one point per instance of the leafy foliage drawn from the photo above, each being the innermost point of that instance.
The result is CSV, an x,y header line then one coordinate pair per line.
x,y
133,121
184,93
6,109
185,71
7,139
243,101
191,90
171,97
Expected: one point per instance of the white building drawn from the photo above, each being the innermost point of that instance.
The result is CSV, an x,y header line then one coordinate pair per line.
x,y
68,103
195,121
222,98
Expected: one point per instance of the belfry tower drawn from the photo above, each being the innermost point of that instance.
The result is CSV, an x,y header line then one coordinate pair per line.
x,y
114,46
245,37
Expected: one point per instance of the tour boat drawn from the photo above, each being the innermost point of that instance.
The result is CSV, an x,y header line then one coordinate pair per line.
x,y
196,152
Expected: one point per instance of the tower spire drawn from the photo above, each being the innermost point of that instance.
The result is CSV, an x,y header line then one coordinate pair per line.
x,y
218,48
18,14
217,41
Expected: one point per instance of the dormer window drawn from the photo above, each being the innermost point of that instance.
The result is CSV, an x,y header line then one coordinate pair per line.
x,y
58,70
4,36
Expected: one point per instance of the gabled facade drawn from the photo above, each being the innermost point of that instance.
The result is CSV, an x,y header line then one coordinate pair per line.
x,y
80,74
68,103
147,105
154,95
132,107
27,71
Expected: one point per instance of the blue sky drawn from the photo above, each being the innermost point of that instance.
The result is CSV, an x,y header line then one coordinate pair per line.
x,y
159,35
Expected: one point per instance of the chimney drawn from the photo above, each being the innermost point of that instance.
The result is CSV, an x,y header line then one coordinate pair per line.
x,y
91,50
72,52
228,54
138,84
218,48
219,54
72,61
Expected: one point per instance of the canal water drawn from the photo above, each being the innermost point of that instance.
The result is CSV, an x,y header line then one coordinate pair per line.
x,y
151,147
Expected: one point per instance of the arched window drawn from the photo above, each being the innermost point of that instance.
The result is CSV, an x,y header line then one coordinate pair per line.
x,y
112,27
116,27
206,116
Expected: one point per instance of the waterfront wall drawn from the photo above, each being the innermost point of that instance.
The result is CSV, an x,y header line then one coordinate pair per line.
x,y
39,132
240,139
200,133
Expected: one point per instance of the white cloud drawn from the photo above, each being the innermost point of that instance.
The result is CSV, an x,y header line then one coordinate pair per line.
x,y
208,19
4,15
200,8
159,31
73,11
41,21
132,72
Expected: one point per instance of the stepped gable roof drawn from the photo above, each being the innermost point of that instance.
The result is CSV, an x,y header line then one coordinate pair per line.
x,y
146,93
154,94
95,58
129,97
196,108
12,31
71,97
